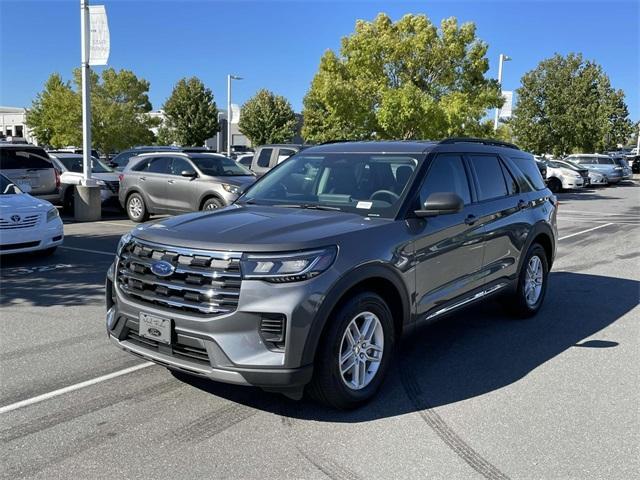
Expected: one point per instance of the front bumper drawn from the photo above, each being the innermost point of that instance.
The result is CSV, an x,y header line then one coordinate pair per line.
x,y
569,183
227,348
31,240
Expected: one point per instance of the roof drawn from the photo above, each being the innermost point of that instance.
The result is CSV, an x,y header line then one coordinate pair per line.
x,y
406,146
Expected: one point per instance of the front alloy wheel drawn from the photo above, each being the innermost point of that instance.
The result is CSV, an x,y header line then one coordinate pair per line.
x,y
355,352
361,350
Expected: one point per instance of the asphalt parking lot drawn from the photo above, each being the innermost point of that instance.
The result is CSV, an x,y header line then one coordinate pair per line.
x,y
478,395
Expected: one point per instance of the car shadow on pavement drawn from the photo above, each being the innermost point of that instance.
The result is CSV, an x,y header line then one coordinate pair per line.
x,y
66,278
476,351
598,193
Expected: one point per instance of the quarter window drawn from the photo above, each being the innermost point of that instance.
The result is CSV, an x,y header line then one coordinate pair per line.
x,y
446,174
491,182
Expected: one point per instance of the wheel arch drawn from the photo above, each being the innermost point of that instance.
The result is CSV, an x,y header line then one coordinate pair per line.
x,y
208,195
542,234
377,278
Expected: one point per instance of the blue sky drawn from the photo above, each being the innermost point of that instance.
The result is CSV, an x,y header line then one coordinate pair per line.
x,y
277,45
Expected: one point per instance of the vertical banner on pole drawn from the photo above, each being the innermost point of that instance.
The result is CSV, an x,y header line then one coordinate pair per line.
x,y
99,40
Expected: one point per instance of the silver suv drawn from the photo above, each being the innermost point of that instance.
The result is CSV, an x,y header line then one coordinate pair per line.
x,y
32,166
312,276
178,182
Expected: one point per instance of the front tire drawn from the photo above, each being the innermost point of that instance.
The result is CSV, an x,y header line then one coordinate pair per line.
x,y
212,204
532,283
136,208
355,353
555,185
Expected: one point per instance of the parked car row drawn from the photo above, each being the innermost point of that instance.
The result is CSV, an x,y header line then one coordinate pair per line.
x,y
584,170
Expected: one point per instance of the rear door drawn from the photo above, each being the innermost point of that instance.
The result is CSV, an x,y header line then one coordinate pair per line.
x,y
504,214
449,249
153,182
29,166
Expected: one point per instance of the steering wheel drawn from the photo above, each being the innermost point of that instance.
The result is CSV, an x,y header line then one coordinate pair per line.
x,y
385,193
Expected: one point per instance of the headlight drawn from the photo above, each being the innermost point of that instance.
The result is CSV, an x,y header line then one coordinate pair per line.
x,y
287,267
231,188
126,238
52,213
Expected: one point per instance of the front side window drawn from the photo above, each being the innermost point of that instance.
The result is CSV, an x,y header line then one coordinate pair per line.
x,y
491,183
219,166
264,157
179,165
446,174
367,184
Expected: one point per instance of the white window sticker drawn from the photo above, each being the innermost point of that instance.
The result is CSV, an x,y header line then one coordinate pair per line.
x,y
364,205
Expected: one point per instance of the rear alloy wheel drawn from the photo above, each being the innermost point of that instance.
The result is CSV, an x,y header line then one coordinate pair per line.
x,y
355,353
532,284
136,209
212,204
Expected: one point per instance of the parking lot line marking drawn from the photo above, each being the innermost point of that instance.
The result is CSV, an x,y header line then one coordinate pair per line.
x,y
585,231
588,212
593,220
111,254
71,388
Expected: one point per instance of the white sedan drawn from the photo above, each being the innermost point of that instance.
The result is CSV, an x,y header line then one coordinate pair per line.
x,y
27,223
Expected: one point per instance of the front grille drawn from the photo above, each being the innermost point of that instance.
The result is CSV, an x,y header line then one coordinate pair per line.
x,y
113,185
584,173
13,222
204,282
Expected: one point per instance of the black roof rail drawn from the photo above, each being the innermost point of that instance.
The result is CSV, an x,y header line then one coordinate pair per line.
x,y
484,141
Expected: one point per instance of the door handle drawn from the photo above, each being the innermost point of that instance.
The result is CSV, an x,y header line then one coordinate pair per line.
x,y
171,181
471,219
522,205
143,178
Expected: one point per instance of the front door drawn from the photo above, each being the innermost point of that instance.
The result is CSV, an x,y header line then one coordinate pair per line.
x,y
449,248
181,191
153,181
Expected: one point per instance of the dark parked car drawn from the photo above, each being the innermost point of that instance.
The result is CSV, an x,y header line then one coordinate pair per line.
x,y
314,274
178,182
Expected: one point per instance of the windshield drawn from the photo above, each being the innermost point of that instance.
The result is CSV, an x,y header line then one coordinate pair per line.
x,y
74,164
367,184
219,166
4,186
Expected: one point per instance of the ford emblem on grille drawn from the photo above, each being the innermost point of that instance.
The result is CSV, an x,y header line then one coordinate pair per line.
x,y
16,218
162,268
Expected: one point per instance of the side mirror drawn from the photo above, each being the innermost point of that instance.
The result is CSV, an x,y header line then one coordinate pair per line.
x,y
189,173
441,203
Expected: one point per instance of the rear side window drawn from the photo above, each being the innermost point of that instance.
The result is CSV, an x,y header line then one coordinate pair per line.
x,y
285,153
264,157
530,171
491,183
446,174
27,158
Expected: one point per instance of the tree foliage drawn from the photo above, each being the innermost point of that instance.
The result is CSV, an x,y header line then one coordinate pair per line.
x,y
567,104
119,102
191,114
267,118
401,80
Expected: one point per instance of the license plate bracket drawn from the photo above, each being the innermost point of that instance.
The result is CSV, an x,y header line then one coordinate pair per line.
x,y
155,328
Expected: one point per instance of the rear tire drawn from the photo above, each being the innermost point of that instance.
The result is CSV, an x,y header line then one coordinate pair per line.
x,y
532,283
212,204
136,208
352,360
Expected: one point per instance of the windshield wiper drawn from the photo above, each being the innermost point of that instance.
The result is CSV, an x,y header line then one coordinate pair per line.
x,y
307,206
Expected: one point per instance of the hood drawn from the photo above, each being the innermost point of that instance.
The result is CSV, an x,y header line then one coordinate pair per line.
x,y
255,228
22,202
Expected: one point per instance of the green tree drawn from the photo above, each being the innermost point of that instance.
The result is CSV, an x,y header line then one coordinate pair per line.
x,y
191,114
267,118
119,102
567,104
404,80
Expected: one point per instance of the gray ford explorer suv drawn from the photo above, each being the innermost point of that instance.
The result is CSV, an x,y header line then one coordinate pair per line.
x,y
178,182
313,275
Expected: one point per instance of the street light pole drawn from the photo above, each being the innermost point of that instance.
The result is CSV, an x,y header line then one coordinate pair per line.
x,y
229,78
503,58
86,93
